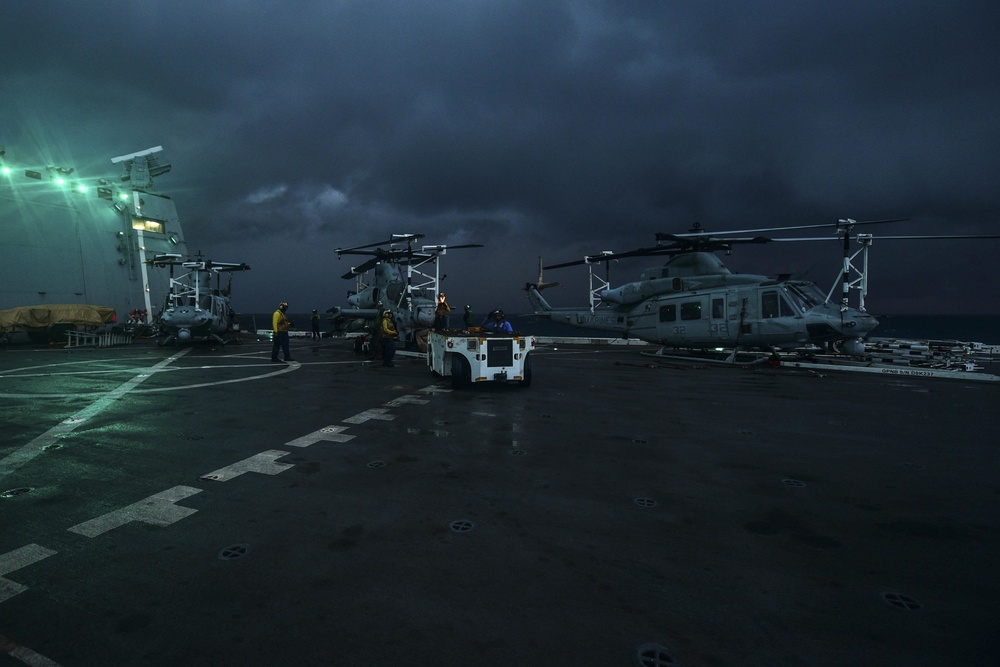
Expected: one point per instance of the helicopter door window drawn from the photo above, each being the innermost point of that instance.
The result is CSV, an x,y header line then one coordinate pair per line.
x,y
773,304
691,310
784,308
718,309
769,304
668,313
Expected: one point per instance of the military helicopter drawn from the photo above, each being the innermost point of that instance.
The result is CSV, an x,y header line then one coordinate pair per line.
x,y
693,301
401,283
194,308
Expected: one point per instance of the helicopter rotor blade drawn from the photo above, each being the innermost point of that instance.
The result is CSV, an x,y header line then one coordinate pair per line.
x,y
891,238
953,236
396,238
611,256
661,236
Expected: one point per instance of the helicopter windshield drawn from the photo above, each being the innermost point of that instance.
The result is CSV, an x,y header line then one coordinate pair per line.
x,y
804,295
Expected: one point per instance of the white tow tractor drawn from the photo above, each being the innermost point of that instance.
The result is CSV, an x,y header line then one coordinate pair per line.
x,y
469,357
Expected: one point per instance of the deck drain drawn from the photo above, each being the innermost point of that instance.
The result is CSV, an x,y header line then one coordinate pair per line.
x,y
462,526
211,477
747,432
72,420
639,441
196,437
655,655
54,445
644,502
376,464
234,551
901,601
545,416
13,493
797,483
911,466
517,452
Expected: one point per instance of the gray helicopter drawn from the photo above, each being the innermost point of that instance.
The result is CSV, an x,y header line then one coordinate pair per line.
x,y
195,308
401,283
694,301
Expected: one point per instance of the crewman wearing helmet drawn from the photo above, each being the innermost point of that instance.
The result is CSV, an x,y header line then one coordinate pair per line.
x,y
497,323
441,313
280,324
389,338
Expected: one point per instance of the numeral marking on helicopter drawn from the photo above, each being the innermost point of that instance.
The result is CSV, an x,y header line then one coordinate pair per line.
x,y
157,510
264,463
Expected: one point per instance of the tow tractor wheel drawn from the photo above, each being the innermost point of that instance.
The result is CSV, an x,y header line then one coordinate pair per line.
x,y
461,372
526,375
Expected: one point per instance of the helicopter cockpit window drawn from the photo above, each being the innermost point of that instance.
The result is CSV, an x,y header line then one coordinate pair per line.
x,y
773,305
804,295
668,313
691,310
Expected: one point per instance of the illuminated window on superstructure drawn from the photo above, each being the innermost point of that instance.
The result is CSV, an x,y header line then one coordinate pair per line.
x,y
147,225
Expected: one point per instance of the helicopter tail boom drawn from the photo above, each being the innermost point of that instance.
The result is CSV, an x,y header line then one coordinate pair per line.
x,y
538,302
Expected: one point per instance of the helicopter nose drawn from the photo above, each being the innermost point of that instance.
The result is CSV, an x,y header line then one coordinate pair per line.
x,y
184,334
861,323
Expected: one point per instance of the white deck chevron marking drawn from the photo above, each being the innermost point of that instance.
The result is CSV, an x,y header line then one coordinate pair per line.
x,y
264,463
15,560
157,510
328,433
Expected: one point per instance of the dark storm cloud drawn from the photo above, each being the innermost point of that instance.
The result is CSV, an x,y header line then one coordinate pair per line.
x,y
535,128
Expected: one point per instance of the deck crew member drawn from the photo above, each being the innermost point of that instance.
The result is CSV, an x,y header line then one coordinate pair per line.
x,y
389,338
441,313
315,323
497,323
280,324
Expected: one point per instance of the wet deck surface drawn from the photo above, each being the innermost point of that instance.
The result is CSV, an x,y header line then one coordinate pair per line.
x,y
199,506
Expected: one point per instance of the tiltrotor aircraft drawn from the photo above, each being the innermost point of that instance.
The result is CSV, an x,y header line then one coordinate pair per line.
x,y
695,302
195,308
401,283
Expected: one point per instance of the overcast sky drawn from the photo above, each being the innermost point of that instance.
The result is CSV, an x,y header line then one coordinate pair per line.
x,y
534,128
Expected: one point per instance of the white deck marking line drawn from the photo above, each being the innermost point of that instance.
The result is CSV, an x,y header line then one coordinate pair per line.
x,y
402,400
286,369
157,510
435,389
367,415
328,433
12,462
264,463
25,654
15,560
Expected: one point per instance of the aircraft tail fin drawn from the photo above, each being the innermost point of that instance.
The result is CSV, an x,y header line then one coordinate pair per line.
x,y
541,284
538,302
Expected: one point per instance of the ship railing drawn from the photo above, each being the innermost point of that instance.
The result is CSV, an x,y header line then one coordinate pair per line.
x,y
97,338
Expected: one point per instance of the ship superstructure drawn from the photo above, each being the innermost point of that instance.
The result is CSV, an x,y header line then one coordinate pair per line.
x,y
69,238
